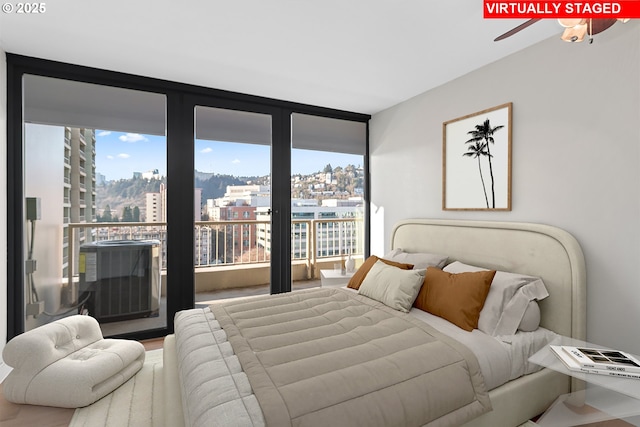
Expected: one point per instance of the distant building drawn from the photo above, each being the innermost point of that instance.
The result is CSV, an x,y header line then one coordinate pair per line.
x,y
151,174
241,195
156,205
352,201
204,253
101,179
332,238
239,203
197,204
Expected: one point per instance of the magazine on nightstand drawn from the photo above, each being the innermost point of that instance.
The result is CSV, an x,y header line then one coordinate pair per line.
x,y
598,361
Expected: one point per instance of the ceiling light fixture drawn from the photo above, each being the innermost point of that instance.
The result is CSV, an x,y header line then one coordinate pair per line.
x,y
577,29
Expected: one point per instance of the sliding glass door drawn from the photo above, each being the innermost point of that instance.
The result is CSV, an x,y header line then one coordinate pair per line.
x,y
232,180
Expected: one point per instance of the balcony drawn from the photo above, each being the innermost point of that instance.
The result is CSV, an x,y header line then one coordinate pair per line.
x,y
231,258
236,254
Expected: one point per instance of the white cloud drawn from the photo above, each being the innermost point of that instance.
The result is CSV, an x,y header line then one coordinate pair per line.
x,y
236,161
104,133
123,156
206,150
110,157
132,137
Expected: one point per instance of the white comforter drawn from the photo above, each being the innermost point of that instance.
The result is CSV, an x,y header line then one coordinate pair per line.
x,y
206,361
210,359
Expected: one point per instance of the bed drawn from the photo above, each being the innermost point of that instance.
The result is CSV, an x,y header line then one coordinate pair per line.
x,y
529,249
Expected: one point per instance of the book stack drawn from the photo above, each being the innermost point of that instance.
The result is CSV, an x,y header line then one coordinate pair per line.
x,y
598,361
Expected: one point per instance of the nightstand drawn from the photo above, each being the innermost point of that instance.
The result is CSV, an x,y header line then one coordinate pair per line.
x,y
604,398
334,278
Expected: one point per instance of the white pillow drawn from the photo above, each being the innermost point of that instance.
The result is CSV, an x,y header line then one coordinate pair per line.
x,y
392,286
419,260
509,298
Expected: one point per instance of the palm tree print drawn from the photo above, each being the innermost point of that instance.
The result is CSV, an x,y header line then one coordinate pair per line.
x,y
483,133
475,151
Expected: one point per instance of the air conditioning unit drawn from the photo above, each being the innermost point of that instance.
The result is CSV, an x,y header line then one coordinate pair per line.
x,y
120,279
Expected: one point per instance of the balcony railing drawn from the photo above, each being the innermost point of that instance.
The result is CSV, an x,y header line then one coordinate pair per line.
x,y
224,243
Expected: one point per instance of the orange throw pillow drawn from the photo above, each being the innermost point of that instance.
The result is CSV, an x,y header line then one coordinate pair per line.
x,y
455,297
358,276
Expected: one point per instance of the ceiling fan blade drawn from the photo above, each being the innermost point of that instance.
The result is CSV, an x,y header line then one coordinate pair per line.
x,y
517,29
599,25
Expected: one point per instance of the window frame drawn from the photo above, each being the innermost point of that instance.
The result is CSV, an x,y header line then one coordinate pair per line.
x,y
180,154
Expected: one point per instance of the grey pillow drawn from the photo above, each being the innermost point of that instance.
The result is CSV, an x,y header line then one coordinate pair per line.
x,y
509,297
392,286
531,318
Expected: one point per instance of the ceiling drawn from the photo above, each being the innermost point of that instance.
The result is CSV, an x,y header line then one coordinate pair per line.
x,y
355,55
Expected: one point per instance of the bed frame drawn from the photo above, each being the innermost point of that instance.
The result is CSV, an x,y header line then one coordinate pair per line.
x,y
533,249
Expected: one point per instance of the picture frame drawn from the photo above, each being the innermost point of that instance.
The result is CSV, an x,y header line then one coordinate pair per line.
x,y
476,161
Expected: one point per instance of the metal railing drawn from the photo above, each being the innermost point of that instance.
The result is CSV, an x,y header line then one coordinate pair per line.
x,y
220,243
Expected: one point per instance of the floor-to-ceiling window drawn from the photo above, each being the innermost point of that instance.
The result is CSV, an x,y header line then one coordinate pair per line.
x,y
95,240
327,191
112,210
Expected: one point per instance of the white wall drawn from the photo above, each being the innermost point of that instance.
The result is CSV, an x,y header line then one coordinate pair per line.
x,y
575,159
3,207
43,179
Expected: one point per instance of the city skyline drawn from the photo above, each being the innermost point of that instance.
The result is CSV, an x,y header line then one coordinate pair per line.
x,y
120,154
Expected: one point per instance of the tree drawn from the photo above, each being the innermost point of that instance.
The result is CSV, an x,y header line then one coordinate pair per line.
x,y
484,132
476,151
127,215
136,214
328,168
106,215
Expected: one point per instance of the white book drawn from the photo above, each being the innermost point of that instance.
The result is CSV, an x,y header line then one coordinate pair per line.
x,y
573,365
603,359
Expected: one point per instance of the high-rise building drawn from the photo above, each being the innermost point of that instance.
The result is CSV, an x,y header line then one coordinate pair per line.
x,y
81,144
156,206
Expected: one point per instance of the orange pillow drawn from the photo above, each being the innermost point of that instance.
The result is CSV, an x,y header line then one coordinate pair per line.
x,y
455,297
358,276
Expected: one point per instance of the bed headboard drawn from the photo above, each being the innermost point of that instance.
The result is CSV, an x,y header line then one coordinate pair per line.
x,y
533,249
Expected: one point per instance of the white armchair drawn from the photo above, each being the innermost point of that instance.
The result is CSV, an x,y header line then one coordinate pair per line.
x,y
67,363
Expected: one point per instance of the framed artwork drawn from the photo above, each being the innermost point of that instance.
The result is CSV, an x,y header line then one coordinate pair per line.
x,y
476,161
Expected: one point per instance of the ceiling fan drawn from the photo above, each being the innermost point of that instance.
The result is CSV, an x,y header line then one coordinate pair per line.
x,y
575,29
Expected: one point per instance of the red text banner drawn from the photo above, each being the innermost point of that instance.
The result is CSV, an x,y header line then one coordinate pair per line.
x,y
561,9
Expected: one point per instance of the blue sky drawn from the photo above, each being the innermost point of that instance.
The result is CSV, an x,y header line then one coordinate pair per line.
x,y
119,155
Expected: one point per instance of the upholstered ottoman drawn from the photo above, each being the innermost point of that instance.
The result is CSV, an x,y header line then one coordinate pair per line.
x,y
68,363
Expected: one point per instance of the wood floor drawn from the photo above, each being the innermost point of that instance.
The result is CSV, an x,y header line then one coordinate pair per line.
x,y
12,415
